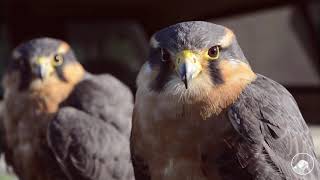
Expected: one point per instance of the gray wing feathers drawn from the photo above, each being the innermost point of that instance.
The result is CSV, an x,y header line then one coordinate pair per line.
x,y
272,129
106,98
90,134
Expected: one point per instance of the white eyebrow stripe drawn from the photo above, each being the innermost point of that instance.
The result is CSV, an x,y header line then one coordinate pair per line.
x,y
227,38
16,54
154,43
63,48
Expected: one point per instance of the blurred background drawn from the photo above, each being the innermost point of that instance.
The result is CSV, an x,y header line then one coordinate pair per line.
x,y
280,38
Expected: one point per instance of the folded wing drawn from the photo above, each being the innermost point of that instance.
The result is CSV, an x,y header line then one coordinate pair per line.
x,y
90,134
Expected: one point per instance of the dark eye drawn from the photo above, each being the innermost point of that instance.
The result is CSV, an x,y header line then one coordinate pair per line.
x,y
57,60
214,52
165,55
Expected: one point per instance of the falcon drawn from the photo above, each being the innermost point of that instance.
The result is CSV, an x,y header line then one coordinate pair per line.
x,y
201,113
60,121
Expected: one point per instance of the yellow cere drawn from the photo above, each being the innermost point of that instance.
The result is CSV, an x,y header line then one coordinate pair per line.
x,y
186,55
41,60
45,64
190,58
193,55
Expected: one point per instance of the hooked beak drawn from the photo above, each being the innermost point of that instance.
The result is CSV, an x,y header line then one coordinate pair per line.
x,y
188,66
43,67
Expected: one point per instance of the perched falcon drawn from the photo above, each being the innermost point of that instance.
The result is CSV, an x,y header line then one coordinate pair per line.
x,y
60,121
201,113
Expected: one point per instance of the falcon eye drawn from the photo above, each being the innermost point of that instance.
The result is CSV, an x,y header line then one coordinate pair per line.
x,y
57,60
165,55
214,52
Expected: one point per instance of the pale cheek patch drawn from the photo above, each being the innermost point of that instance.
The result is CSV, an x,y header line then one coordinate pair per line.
x,y
236,71
174,88
73,72
40,85
53,90
236,78
214,98
234,62
198,89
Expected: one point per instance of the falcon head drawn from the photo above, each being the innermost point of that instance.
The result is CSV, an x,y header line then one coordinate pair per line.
x,y
194,59
40,62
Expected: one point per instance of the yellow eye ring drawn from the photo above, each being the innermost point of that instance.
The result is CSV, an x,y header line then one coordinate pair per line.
x,y
57,60
214,52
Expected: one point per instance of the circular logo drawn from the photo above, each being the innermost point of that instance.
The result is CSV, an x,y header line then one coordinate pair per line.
x,y
302,163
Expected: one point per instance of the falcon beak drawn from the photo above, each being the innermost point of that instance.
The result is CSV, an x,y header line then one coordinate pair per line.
x,y
43,67
187,66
